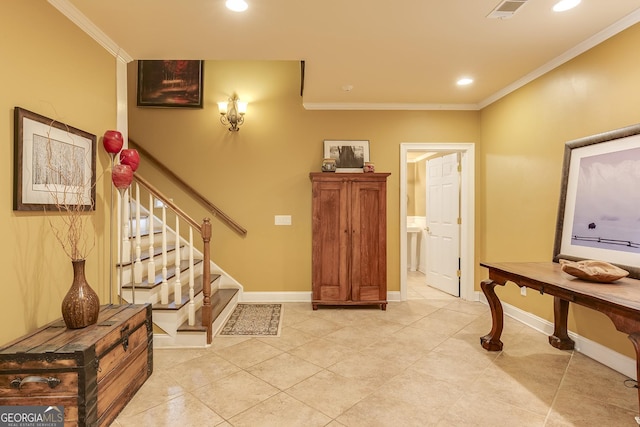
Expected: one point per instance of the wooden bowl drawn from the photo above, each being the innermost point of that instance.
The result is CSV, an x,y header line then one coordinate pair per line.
x,y
593,271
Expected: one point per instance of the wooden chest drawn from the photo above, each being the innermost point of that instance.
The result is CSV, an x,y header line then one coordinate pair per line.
x,y
92,372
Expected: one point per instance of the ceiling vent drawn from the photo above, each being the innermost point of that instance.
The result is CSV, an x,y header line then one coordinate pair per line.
x,y
506,9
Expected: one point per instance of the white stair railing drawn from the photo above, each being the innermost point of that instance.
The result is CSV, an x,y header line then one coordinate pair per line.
x,y
125,222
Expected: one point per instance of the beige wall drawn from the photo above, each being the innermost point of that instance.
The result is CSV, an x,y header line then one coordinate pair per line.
x,y
523,137
52,68
420,190
411,188
416,191
263,170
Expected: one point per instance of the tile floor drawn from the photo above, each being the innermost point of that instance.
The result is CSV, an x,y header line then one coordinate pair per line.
x,y
419,363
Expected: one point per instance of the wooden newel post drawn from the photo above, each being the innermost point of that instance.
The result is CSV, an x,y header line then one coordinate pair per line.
x,y
206,280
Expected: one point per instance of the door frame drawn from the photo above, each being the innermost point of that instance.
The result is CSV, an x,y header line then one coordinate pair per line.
x,y
467,211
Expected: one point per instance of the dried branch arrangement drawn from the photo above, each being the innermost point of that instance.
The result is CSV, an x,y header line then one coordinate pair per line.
x,y
67,182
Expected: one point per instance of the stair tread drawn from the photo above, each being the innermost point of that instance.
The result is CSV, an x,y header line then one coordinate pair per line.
x,y
171,273
144,255
219,300
145,233
197,288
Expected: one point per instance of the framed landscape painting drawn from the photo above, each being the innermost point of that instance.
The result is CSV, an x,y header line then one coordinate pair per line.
x,y
599,209
173,84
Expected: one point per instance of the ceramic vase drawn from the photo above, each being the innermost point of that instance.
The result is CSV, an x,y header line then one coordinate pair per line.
x,y
81,305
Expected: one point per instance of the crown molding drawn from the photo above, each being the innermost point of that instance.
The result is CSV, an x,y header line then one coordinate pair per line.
x,y
78,18
619,26
386,106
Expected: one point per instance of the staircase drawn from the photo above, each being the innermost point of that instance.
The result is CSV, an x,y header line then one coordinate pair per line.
x,y
165,266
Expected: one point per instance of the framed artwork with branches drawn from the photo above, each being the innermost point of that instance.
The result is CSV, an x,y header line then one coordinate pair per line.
x,y
54,165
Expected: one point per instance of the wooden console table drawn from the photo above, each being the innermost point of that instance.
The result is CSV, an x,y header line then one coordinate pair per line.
x,y
619,300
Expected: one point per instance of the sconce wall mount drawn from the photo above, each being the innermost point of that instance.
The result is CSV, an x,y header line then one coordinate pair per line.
x,y
232,113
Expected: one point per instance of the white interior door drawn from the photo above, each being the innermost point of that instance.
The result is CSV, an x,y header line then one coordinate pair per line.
x,y
443,230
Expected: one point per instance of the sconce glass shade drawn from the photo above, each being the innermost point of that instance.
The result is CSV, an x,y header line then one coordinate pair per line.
x,y
232,113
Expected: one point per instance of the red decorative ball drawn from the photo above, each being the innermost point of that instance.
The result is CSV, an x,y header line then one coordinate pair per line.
x,y
121,176
130,157
112,141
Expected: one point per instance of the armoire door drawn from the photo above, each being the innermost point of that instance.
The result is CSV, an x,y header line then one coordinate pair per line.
x,y
331,234
368,241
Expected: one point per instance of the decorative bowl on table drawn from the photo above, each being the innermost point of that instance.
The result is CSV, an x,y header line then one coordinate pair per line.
x,y
593,271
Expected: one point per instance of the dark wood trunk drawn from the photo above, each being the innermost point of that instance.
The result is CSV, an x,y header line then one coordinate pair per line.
x,y
93,372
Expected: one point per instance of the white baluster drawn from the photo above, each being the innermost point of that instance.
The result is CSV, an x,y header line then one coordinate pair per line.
x,y
126,242
177,285
192,295
164,287
151,264
137,266
119,238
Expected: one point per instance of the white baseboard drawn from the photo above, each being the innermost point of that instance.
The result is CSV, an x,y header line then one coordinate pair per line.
x,y
614,360
276,297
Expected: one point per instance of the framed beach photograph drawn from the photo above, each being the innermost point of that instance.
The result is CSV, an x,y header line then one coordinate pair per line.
x,y
350,156
599,209
54,164
172,84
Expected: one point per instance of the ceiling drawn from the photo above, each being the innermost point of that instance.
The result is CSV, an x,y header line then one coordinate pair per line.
x,y
393,54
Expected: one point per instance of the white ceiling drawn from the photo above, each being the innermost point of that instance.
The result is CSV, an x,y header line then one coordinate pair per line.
x,y
404,54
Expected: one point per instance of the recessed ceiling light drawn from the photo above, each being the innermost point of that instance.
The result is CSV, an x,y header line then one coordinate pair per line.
x,y
237,5
563,5
464,81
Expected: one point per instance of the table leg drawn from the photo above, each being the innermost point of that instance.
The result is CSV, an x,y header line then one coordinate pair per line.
x,y
560,338
635,339
491,341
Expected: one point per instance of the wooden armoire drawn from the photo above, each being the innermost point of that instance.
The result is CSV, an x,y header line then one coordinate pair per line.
x,y
349,242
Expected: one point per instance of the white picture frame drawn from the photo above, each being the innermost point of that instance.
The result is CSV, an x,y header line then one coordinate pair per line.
x,y
350,155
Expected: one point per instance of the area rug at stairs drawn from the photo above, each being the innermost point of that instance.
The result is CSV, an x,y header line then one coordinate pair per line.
x,y
254,320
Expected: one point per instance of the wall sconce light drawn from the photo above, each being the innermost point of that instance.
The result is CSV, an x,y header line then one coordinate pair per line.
x,y
232,113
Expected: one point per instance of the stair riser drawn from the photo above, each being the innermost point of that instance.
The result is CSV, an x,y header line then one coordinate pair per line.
x,y
128,270
145,242
169,320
